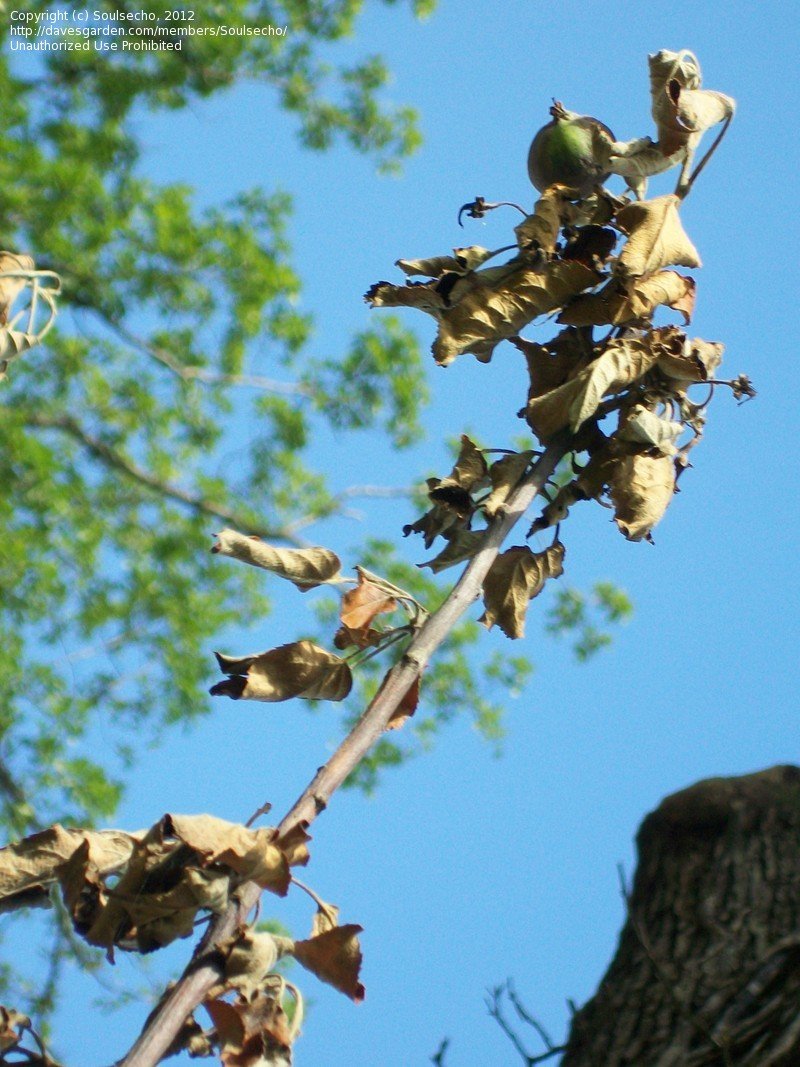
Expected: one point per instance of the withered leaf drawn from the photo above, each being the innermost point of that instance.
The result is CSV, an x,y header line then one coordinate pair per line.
x,y
300,669
304,567
362,604
252,854
334,957
251,1032
157,898
695,362
551,364
656,237
10,288
434,523
461,261
505,475
514,579
406,708
422,295
643,426
250,958
294,845
469,471
497,309
35,861
641,488
592,245
541,229
12,1026
461,546
326,918
626,300
623,361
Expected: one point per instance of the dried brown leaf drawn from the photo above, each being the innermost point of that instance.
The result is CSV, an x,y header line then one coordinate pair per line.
x,y
656,237
334,957
497,309
644,427
251,1032
304,567
695,362
406,708
361,605
300,669
294,845
252,854
250,958
35,861
12,1026
514,579
461,261
626,300
158,897
641,489
541,229
326,918
623,361
10,288
551,364
421,295
505,475
461,546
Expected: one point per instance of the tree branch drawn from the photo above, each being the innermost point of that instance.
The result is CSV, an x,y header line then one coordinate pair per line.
x,y
203,970
116,460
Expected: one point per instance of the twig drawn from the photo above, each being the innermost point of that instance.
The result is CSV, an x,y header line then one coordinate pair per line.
x,y
201,374
437,1059
110,456
203,970
495,1009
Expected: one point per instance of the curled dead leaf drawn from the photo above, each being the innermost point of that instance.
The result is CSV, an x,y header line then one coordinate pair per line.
x,y
361,605
12,265
252,854
252,1031
551,364
540,230
29,866
644,427
656,237
300,669
625,300
496,309
514,579
641,489
505,475
304,567
250,958
461,261
623,361
334,957
461,546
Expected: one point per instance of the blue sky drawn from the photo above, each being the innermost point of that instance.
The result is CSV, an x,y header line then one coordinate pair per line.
x,y
465,869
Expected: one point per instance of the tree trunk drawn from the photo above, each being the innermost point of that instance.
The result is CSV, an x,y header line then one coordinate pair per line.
x,y
707,971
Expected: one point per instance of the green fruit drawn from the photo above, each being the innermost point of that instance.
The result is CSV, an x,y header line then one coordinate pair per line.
x,y
563,151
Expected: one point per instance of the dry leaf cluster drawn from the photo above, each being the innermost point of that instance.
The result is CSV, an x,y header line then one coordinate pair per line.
x,y
23,327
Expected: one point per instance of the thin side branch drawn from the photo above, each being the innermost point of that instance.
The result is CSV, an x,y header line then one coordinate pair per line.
x,y
116,460
203,970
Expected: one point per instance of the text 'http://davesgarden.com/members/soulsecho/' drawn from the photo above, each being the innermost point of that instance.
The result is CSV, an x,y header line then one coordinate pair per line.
x,y
87,29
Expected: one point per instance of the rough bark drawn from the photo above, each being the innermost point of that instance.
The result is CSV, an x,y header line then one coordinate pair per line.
x,y
707,971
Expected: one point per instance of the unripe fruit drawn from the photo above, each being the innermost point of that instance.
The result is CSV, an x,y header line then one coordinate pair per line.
x,y
563,151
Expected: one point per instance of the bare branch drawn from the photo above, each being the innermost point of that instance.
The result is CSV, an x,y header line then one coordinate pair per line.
x,y
203,970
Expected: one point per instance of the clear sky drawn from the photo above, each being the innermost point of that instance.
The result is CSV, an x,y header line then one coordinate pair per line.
x,y
465,869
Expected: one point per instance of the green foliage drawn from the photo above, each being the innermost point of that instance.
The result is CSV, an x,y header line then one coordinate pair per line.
x,y
116,449
584,618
